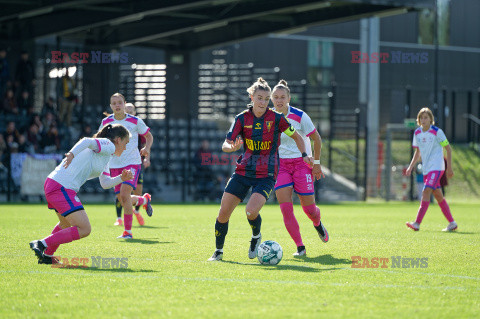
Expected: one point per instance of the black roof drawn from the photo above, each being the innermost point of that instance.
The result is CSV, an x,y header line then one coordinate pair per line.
x,y
179,24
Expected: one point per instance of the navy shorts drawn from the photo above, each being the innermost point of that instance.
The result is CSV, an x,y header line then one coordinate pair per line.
x,y
140,177
239,186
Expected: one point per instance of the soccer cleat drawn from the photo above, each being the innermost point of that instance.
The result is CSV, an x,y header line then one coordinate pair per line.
x,y
415,226
148,206
125,235
140,219
49,260
119,222
322,232
301,251
38,248
217,255
254,243
451,227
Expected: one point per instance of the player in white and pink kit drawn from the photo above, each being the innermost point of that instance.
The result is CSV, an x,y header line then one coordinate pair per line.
x,y
429,141
294,173
130,160
86,160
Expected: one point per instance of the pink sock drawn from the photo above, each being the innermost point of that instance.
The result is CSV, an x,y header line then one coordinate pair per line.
x,y
291,223
138,200
127,221
422,210
313,212
53,248
63,236
446,211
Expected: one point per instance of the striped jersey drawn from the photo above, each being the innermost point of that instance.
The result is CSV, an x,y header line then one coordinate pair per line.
x,y
261,139
430,144
136,127
303,125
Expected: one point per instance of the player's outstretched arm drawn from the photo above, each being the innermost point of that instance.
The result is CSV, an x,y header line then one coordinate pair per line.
x,y
301,147
449,171
317,149
107,182
145,151
232,146
416,157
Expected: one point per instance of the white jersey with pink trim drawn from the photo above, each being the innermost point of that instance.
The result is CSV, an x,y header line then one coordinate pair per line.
x,y
91,160
136,126
430,144
302,123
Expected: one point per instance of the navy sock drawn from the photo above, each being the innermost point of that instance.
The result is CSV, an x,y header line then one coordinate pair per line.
x,y
256,224
118,206
221,231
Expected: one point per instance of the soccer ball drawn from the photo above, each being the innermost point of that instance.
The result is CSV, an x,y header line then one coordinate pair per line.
x,y
269,253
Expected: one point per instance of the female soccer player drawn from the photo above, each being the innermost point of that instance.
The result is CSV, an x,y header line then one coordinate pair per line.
x,y
429,141
86,160
258,129
294,174
130,109
130,160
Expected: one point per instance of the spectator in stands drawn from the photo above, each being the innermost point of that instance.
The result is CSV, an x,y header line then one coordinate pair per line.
x,y
67,99
24,146
3,149
24,103
9,104
4,72
25,74
50,119
204,176
37,120
49,107
11,134
87,131
51,140
34,138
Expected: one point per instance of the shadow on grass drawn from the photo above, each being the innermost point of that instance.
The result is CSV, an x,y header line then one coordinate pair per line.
x,y
145,241
281,267
148,226
115,270
324,260
450,232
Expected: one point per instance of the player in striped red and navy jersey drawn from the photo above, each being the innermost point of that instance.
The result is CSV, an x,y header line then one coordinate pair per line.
x,y
258,129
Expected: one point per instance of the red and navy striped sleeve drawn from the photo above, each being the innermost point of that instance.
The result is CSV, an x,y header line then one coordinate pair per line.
x,y
236,127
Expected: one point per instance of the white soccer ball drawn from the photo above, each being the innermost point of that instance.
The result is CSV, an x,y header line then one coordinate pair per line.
x,y
269,253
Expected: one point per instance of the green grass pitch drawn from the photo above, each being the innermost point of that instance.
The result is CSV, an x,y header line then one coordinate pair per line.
x,y
168,275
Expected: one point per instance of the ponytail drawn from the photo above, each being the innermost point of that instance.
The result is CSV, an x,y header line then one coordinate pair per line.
x,y
282,84
112,132
260,84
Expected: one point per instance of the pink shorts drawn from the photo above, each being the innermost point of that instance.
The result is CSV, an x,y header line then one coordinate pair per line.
x,y
132,182
295,172
432,179
64,201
